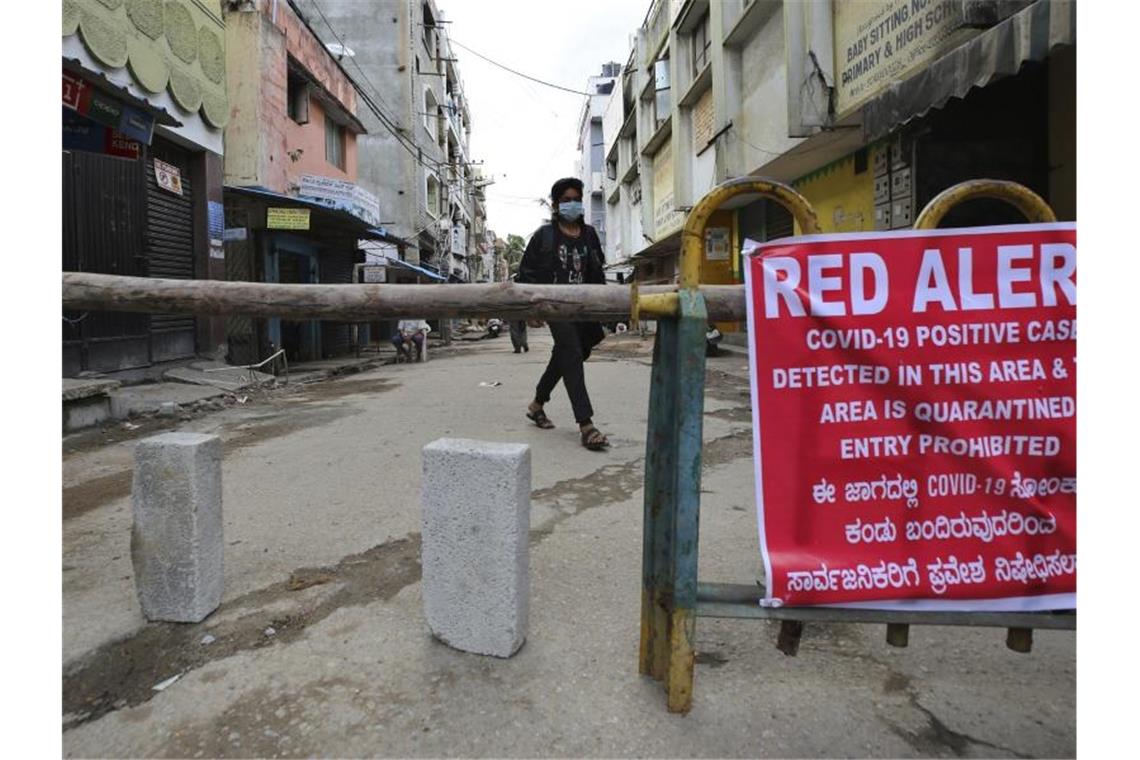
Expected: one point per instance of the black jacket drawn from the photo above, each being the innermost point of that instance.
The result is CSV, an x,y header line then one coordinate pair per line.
x,y
538,263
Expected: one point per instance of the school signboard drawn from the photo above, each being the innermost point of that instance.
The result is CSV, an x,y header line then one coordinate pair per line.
x,y
914,415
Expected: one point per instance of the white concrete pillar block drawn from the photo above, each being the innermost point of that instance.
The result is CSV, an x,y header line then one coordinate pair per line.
x,y
176,541
476,544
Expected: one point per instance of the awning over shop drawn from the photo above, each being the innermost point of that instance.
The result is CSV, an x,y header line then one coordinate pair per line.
x,y
419,270
1029,35
343,219
666,246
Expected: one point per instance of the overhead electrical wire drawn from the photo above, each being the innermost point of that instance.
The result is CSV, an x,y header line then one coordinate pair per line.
x,y
515,71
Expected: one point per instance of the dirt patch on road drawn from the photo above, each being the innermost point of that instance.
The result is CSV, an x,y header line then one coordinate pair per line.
x,y
83,497
611,484
123,673
727,387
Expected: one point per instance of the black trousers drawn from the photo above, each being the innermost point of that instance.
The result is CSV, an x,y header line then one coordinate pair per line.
x,y
571,348
518,333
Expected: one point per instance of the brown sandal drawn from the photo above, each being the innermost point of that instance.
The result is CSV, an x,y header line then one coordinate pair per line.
x,y
539,418
593,439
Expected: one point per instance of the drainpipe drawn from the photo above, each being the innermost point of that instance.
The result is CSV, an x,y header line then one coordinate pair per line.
x,y
809,42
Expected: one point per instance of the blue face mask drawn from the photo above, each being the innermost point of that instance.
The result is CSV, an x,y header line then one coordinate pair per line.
x,y
571,211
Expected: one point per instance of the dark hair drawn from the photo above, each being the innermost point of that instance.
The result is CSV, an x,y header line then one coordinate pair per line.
x,y
560,186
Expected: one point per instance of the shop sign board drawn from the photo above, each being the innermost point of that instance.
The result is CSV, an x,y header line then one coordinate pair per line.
x,y
82,97
879,42
83,134
666,218
287,218
374,274
914,417
341,194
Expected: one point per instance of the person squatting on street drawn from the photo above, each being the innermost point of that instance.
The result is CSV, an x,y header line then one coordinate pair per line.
x,y
410,332
567,252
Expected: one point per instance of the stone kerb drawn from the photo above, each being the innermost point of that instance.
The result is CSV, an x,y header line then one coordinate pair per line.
x,y
476,544
176,540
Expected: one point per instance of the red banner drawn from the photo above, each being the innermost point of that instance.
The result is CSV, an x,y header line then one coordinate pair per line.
x,y
914,414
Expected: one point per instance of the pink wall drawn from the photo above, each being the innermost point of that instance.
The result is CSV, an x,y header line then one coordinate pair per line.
x,y
280,134
310,138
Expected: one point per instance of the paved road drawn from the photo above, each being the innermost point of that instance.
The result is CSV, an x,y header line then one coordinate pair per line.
x,y
322,541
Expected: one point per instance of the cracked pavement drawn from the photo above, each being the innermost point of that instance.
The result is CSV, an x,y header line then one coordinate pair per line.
x,y
320,647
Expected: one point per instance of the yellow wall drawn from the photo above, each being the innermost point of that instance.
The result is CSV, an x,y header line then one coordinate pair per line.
x,y
843,200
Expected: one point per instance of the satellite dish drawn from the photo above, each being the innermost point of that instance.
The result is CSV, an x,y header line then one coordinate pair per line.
x,y
339,50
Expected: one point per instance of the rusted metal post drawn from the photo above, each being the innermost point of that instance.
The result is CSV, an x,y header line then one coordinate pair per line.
x,y
1019,639
788,640
898,634
1035,209
673,449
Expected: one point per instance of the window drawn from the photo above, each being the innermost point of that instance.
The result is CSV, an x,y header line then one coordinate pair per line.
x,y
661,102
429,28
334,143
298,98
432,195
431,113
701,45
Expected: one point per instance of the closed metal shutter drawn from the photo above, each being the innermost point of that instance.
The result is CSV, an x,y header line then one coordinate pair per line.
x,y
103,227
336,337
170,248
778,222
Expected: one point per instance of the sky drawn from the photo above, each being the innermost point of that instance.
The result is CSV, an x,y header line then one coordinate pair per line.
x,y
525,133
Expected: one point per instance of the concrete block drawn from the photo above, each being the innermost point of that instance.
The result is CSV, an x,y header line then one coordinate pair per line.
x,y
150,398
176,541
476,544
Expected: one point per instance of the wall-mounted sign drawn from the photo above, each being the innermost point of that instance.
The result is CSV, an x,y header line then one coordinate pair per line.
x,y
375,274
234,233
287,218
169,177
717,242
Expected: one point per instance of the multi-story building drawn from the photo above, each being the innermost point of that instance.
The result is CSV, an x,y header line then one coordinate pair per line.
x,y
294,211
869,109
590,164
144,104
415,156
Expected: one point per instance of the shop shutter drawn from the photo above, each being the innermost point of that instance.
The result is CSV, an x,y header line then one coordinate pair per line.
x,y
170,248
336,337
103,225
778,222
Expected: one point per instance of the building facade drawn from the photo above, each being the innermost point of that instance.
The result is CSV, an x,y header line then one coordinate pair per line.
x,y
294,212
144,105
415,156
869,109
590,164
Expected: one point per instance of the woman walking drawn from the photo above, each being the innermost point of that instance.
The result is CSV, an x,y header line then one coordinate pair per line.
x,y
567,251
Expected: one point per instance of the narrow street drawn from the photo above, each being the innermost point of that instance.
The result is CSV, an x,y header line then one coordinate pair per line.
x,y
320,647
